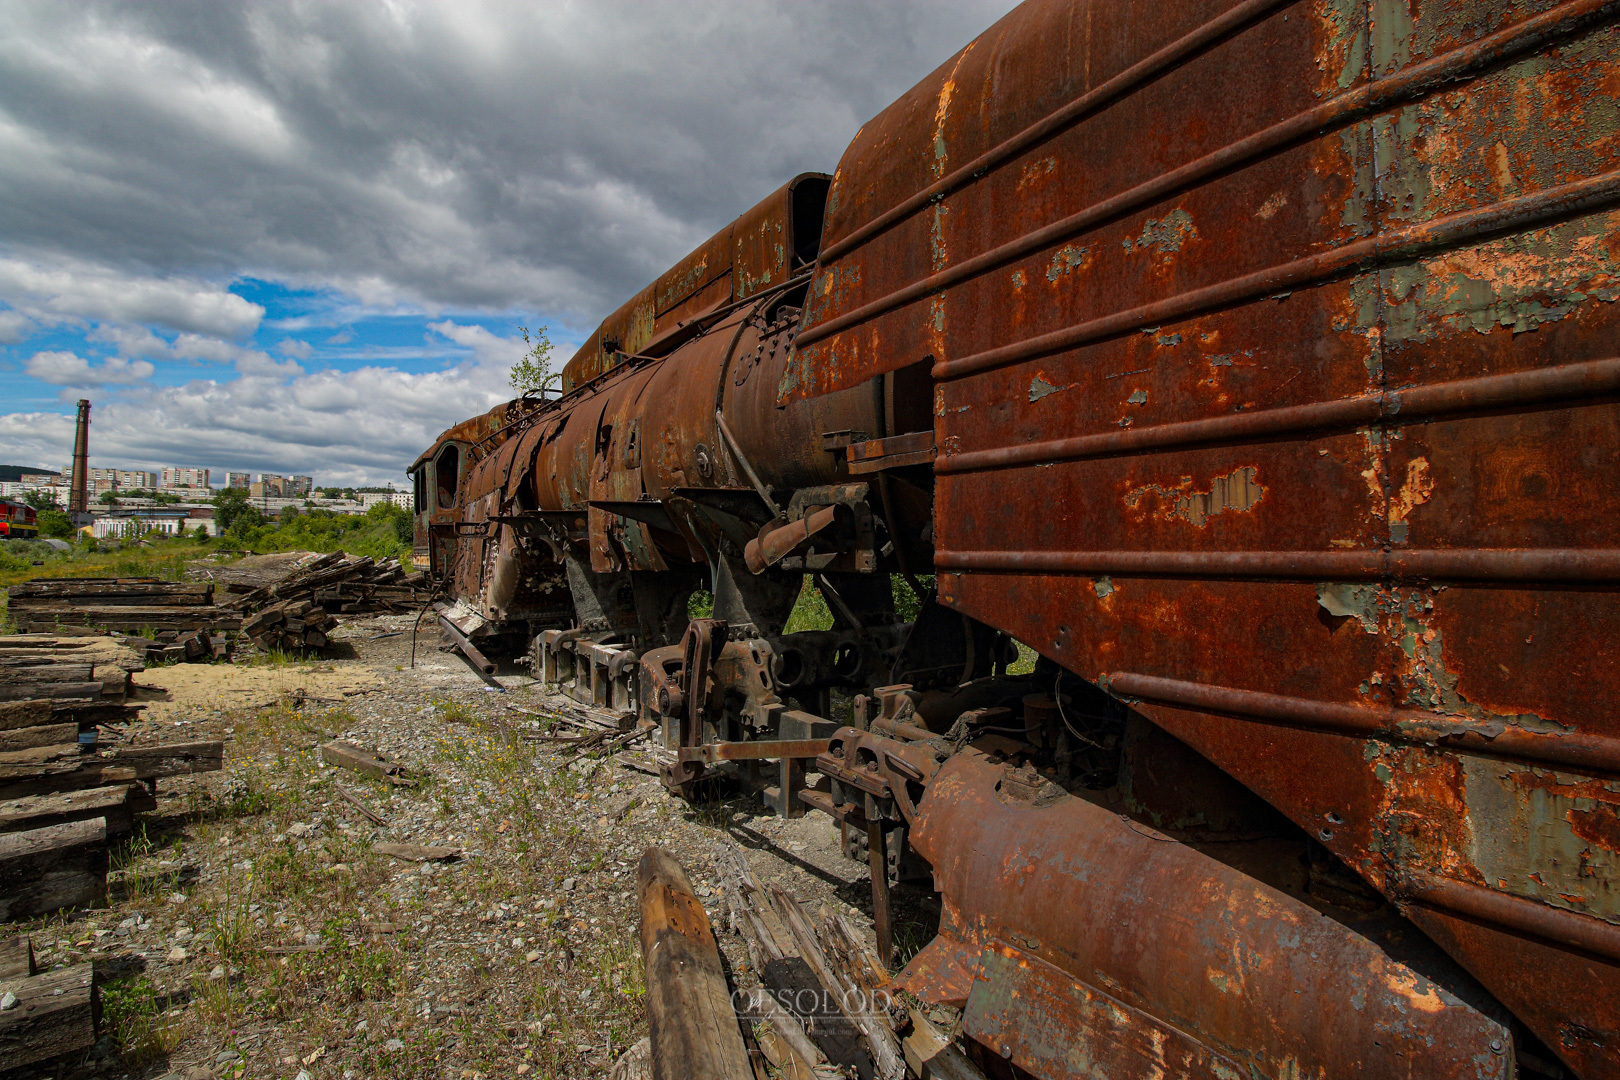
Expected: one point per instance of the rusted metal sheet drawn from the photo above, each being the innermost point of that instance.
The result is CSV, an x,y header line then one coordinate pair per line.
x,y
765,246
1285,333
1179,963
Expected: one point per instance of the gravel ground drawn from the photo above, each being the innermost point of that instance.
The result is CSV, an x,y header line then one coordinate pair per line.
x,y
254,932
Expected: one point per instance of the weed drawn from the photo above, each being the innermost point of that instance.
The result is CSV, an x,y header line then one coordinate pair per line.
x,y
230,918
453,712
132,1012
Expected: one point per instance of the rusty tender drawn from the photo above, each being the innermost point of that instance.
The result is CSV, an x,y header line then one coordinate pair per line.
x,y
1253,366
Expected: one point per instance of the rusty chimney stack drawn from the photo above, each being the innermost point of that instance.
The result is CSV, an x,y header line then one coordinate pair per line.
x,y
79,497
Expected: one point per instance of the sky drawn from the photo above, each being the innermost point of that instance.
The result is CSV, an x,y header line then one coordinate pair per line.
x,y
302,237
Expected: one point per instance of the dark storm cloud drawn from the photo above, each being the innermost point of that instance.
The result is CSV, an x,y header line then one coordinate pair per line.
x,y
544,157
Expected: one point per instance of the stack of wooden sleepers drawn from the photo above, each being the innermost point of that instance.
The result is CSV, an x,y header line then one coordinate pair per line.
x,y
85,680
294,625
63,789
132,605
341,584
64,794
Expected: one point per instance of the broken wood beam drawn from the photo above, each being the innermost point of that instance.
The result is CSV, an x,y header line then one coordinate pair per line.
x,y
694,1028
59,866
881,1041
169,759
933,1056
55,1013
43,735
116,804
348,755
17,957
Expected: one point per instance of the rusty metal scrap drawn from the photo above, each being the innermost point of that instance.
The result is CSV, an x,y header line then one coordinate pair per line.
x,y
1176,951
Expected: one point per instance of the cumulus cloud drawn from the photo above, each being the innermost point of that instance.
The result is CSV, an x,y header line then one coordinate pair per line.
x,y
15,327
353,427
52,288
444,153
71,369
298,350
487,348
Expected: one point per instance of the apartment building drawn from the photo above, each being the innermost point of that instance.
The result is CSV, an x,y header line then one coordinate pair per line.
x,y
175,476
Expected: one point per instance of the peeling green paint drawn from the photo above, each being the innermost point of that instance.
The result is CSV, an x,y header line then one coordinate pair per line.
x,y
1342,598
1168,341
1531,847
1166,234
1066,259
1518,283
1103,586
1390,35
1039,388
1139,397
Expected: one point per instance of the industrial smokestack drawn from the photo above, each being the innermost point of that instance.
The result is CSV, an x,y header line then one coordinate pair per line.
x,y
79,497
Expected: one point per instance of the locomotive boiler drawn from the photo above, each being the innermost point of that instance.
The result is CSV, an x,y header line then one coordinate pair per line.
x,y
1252,366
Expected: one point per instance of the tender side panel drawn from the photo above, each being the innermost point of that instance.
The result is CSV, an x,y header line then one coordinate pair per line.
x,y
1302,433
749,255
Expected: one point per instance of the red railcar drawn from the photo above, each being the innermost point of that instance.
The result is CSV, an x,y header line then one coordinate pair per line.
x,y
18,521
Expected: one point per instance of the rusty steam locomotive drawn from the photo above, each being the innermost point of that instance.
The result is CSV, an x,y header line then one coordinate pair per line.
x,y
1254,364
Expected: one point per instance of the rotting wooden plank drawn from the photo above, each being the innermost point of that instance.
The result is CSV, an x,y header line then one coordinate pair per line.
x,y
695,1035
22,714
59,866
22,781
880,1038
418,852
348,755
169,759
115,803
22,691
44,735
56,1013
17,957
33,756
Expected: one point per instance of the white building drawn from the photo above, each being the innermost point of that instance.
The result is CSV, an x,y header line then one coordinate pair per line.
x,y
401,499
175,476
168,521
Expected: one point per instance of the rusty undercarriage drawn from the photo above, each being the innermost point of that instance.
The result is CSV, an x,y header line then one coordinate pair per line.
x,y
1255,365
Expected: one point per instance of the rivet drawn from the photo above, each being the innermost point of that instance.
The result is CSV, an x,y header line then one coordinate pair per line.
x,y
1006,1051
1496,1046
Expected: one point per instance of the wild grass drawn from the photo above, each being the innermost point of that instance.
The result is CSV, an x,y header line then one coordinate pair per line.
x,y
132,1012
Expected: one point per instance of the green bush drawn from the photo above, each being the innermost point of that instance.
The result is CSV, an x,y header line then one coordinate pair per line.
x,y
55,524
